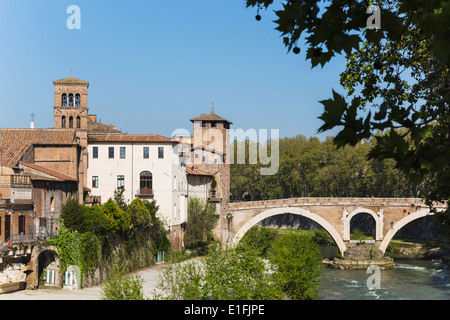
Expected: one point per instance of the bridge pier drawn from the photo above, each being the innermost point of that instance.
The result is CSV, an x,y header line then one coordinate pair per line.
x,y
363,250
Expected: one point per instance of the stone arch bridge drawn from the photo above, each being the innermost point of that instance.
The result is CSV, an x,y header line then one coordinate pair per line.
x,y
333,214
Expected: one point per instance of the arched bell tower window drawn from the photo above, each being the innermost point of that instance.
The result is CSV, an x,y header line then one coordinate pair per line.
x,y
70,122
64,100
63,122
77,100
71,100
78,122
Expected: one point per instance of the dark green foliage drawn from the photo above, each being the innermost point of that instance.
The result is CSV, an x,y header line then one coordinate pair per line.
x,y
202,218
258,239
81,249
119,198
322,237
223,275
397,79
311,168
158,232
120,219
139,214
82,218
97,221
91,232
240,273
298,266
122,287
74,215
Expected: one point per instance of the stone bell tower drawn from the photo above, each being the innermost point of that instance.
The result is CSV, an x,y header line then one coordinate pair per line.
x,y
70,107
71,112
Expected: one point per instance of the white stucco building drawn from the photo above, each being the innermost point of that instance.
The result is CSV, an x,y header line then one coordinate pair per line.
x,y
145,166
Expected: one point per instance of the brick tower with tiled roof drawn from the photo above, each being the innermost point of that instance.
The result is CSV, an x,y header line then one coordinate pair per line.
x,y
210,150
71,107
71,112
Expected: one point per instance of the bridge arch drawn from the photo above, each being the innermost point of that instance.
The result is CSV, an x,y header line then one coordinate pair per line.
x,y
292,210
400,224
377,217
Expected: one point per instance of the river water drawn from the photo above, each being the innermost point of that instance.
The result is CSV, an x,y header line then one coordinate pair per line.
x,y
410,280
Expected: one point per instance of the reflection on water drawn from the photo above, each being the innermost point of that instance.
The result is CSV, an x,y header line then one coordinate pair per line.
x,y
412,279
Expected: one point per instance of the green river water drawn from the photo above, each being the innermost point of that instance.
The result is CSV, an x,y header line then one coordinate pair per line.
x,y
410,280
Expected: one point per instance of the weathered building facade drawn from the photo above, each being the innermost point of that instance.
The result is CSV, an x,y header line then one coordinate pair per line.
x,y
81,157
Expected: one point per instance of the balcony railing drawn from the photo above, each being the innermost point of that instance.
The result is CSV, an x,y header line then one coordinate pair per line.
x,y
17,180
20,180
145,192
45,230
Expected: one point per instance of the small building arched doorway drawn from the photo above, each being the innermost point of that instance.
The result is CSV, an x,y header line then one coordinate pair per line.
x,y
48,272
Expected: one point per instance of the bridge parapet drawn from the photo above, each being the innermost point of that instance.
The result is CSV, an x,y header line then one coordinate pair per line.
x,y
333,201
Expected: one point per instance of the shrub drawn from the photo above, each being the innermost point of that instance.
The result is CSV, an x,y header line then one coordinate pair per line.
x,y
120,219
223,275
120,287
258,239
298,266
74,215
322,237
139,215
202,219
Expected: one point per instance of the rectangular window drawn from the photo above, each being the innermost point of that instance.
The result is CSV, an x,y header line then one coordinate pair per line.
x,y
22,224
146,153
95,152
120,182
122,152
94,182
160,152
111,152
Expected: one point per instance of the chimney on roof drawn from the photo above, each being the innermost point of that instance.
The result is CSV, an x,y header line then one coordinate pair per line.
x,y
31,125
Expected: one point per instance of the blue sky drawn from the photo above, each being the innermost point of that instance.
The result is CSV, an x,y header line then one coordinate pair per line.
x,y
154,64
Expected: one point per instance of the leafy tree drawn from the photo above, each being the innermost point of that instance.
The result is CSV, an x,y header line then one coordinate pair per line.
x,y
238,275
202,218
396,78
152,207
97,221
258,239
122,287
298,266
180,281
314,168
119,198
74,215
158,232
223,275
139,215
120,219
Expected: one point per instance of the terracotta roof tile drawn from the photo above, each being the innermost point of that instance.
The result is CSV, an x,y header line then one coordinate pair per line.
x,y
130,138
49,172
15,142
210,117
70,80
95,127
